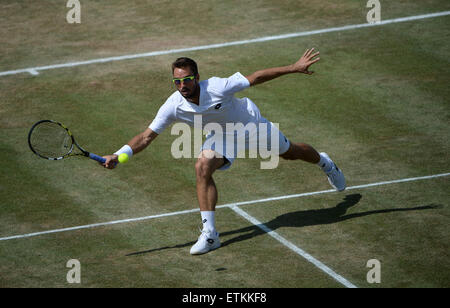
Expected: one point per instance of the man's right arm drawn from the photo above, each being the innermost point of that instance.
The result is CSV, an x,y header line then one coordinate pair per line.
x,y
137,144
143,140
301,66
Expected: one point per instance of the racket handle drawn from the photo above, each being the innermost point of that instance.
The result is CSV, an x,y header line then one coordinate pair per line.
x,y
97,158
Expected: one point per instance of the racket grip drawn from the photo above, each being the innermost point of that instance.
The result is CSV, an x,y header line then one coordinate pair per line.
x,y
97,158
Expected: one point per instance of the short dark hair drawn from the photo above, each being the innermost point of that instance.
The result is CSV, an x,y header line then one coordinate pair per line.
x,y
185,62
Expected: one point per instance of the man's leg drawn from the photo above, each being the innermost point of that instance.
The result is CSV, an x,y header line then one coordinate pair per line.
x,y
302,151
206,165
307,153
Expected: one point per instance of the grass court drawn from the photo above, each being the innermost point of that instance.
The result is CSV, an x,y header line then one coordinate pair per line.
x,y
378,103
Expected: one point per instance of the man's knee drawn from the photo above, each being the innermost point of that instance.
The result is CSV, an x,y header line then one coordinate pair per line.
x,y
291,153
206,164
202,168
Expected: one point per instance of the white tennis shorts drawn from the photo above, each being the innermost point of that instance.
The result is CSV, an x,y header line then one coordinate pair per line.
x,y
254,140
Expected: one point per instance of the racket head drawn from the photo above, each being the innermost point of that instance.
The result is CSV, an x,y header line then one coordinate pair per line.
x,y
51,140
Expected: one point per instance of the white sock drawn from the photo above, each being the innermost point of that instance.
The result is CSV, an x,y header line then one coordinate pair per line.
x,y
325,163
208,220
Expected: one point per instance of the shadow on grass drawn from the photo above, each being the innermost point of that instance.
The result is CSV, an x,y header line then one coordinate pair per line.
x,y
300,219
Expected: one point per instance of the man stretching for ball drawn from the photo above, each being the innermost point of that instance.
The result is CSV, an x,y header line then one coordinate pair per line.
x,y
214,100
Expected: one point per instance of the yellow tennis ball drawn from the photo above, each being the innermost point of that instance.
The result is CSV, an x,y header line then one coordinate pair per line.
x,y
123,158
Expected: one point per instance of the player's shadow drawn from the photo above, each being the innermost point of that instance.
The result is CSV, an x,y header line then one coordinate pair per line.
x,y
299,219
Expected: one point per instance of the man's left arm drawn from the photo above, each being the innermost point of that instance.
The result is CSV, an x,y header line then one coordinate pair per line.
x,y
301,66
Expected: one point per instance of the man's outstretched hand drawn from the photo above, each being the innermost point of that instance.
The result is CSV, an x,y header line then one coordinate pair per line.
x,y
111,161
308,58
301,66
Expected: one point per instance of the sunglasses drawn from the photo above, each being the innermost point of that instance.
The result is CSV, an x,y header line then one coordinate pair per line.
x,y
187,79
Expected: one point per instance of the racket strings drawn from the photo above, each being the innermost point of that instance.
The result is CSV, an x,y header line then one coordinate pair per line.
x,y
51,140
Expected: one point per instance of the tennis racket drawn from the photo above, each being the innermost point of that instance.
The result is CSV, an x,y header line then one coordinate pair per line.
x,y
52,140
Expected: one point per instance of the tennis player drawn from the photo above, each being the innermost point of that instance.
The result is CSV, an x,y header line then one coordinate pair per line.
x,y
214,100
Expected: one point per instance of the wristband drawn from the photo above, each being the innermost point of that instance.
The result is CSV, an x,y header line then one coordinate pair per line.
x,y
125,149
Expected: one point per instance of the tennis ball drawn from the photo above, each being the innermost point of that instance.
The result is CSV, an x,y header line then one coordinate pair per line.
x,y
123,158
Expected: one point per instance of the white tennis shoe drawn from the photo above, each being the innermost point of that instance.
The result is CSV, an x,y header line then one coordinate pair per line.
x,y
335,175
207,241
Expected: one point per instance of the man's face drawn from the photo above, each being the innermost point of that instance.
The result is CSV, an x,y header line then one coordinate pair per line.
x,y
187,87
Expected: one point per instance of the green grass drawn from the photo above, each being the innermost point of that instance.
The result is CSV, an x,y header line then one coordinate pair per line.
x,y
378,104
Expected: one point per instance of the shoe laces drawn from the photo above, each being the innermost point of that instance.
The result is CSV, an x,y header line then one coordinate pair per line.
x,y
203,232
207,233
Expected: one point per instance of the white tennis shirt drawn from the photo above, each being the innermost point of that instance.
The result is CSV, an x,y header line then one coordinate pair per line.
x,y
217,105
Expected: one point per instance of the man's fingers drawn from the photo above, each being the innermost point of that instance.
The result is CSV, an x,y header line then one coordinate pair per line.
x,y
304,54
307,60
110,163
307,52
308,55
314,61
314,55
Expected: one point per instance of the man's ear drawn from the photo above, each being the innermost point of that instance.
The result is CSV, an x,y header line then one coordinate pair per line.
x,y
197,78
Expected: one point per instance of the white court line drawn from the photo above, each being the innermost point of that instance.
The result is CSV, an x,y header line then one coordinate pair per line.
x,y
35,70
294,248
229,205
